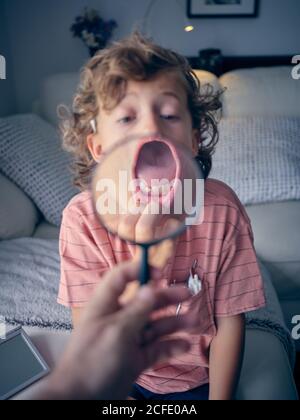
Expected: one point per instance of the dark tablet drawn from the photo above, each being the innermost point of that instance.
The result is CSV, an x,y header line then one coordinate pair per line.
x,y
20,363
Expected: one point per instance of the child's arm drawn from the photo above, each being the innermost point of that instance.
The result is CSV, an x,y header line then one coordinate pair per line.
x,y
76,314
226,356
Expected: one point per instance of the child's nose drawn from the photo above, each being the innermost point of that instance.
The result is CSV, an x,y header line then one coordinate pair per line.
x,y
151,124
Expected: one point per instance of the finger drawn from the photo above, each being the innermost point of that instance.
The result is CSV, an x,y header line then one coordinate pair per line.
x,y
133,287
105,300
162,298
160,253
171,296
162,351
135,316
129,293
169,325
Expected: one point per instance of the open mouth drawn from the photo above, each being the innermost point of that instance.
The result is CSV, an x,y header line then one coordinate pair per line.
x,y
156,168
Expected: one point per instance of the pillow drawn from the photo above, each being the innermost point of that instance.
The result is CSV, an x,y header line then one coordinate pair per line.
x,y
18,214
31,155
207,77
259,158
263,91
46,231
57,89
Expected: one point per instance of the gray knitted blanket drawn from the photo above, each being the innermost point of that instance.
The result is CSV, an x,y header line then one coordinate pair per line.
x,y
29,279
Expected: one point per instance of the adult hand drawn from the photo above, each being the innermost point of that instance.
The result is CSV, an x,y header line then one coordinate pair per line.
x,y
113,344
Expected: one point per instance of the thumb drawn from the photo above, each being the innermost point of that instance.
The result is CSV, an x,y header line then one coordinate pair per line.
x,y
136,315
106,296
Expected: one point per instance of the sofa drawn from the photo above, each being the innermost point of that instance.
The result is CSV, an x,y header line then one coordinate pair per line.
x,y
262,93
259,92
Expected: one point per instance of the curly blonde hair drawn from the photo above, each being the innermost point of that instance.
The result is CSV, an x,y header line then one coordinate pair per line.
x,y
105,77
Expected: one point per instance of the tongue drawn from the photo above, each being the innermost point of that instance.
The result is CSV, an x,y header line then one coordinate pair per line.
x,y
155,161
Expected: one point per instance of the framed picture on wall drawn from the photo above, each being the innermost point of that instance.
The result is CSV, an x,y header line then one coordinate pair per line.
x,y
222,8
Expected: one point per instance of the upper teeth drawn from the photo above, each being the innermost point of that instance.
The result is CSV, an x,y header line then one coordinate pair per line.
x,y
156,188
144,187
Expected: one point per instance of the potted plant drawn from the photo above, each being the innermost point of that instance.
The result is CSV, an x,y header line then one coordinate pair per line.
x,y
93,30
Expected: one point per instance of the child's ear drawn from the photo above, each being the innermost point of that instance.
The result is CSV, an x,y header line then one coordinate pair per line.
x,y
196,141
94,146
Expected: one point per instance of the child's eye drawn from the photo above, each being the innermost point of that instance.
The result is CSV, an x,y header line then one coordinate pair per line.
x,y
170,117
125,120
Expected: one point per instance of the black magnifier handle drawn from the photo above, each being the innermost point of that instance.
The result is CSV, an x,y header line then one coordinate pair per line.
x,y
144,276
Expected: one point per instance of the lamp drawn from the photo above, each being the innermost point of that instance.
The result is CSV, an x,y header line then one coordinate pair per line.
x,y
188,27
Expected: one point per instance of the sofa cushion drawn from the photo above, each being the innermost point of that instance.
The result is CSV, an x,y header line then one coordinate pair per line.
x,y
18,214
206,77
56,90
31,155
266,374
261,92
277,242
259,158
45,230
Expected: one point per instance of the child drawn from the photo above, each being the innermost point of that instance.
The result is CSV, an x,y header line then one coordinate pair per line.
x,y
138,87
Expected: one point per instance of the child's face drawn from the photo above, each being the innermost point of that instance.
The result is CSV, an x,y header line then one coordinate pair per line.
x,y
158,106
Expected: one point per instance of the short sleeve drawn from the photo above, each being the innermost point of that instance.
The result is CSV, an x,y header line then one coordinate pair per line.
x,y
239,285
82,262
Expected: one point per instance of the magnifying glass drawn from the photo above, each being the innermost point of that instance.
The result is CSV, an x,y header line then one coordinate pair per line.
x,y
146,190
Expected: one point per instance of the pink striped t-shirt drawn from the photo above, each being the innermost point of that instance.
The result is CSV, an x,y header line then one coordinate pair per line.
x,y
227,267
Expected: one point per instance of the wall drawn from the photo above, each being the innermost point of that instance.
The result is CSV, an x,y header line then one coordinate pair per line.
x,y
41,44
7,93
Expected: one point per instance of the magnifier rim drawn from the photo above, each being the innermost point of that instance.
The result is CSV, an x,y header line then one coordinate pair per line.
x,y
106,154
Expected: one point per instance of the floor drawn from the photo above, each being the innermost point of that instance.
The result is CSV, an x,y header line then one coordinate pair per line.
x,y
297,373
